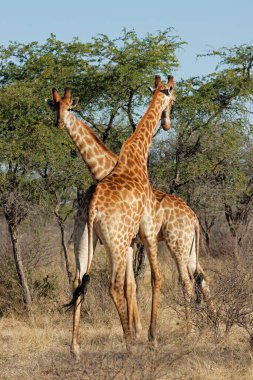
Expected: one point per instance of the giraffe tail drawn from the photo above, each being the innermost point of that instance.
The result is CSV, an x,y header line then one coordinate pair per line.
x,y
80,291
194,267
82,288
91,218
198,274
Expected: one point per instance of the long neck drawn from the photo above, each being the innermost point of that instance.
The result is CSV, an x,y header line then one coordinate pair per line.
x,y
138,144
98,158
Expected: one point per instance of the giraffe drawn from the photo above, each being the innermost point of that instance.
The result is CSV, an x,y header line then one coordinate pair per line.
x,y
100,161
123,205
178,236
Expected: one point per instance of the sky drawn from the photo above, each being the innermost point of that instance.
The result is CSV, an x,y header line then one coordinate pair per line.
x,y
204,24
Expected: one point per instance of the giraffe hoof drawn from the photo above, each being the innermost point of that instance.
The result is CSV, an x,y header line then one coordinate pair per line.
x,y
75,352
152,339
129,344
138,330
154,343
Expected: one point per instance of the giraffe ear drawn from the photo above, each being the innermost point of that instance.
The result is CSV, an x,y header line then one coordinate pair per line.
x,y
67,94
56,96
74,102
171,82
157,80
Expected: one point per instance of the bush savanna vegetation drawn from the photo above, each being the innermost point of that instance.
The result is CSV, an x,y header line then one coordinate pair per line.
x,y
206,158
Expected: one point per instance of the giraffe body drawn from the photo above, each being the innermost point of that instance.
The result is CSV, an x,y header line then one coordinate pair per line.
x,y
124,203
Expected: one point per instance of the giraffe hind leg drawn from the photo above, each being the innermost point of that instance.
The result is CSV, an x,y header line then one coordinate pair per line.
x,y
133,313
156,282
207,296
117,293
187,286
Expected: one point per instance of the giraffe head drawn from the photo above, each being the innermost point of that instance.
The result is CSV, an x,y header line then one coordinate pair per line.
x,y
61,105
167,92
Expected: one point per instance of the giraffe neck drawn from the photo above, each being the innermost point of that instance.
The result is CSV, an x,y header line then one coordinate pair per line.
x,y
138,144
98,158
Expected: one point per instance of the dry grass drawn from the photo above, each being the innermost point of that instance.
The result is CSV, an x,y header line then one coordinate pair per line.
x,y
38,348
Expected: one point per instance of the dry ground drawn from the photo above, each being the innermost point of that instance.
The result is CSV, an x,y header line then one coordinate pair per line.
x,y
38,348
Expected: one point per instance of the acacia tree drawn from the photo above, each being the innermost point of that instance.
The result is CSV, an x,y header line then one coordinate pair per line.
x,y
18,187
237,178
24,138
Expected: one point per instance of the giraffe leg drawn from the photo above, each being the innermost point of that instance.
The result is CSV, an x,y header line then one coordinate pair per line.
x,y
75,348
187,285
133,313
207,296
180,256
137,321
156,282
116,291
81,253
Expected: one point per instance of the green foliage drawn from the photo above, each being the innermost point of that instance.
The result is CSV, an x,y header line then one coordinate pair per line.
x,y
35,157
206,157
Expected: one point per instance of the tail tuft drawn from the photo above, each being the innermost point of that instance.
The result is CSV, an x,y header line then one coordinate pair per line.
x,y
198,286
81,290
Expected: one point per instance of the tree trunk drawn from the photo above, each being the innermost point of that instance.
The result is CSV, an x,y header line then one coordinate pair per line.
x,y
139,266
14,233
235,247
207,242
65,249
207,223
234,224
